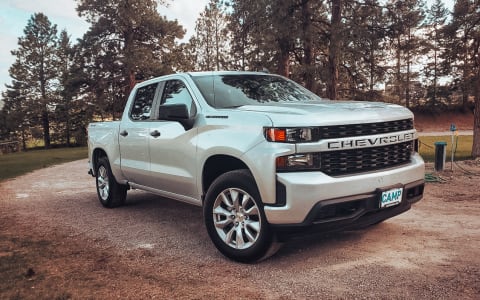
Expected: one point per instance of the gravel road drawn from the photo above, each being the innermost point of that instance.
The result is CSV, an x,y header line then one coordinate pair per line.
x,y
430,252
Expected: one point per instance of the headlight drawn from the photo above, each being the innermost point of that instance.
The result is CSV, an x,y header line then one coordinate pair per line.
x,y
288,135
298,162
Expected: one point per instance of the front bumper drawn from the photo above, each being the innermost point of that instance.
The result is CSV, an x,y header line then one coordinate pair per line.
x,y
310,195
349,213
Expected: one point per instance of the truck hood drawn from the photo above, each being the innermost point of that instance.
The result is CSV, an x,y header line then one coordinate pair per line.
x,y
327,112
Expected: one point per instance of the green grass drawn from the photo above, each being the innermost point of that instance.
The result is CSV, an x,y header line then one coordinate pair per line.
x,y
15,164
463,152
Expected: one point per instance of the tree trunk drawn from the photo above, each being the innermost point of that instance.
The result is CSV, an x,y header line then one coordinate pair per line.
x,y
131,81
44,105
309,76
243,53
334,48
398,74
46,128
476,115
435,76
407,84
217,46
476,125
207,66
435,67
24,140
67,122
372,70
409,58
283,58
130,69
465,74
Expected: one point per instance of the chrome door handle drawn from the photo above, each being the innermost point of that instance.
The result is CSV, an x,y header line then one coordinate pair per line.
x,y
155,133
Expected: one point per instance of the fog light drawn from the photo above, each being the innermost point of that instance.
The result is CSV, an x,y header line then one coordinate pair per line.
x,y
296,162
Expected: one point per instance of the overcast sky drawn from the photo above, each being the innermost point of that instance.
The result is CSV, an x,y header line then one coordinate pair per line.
x,y
14,15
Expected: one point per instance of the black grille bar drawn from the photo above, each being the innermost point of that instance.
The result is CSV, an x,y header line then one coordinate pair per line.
x,y
342,162
353,130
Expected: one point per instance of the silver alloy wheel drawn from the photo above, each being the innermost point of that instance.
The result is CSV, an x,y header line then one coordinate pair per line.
x,y
237,218
102,183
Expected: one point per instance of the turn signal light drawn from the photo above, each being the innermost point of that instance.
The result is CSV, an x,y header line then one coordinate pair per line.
x,y
276,134
288,135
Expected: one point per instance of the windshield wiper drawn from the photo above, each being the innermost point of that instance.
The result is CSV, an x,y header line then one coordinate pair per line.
x,y
233,106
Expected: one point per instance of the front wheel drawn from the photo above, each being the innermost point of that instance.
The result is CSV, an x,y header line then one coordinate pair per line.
x,y
110,192
235,219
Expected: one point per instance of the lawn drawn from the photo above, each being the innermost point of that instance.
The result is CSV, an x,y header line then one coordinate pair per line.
x,y
463,147
15,164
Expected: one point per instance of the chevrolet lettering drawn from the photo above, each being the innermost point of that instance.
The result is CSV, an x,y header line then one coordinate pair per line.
x,y
262,157
369,142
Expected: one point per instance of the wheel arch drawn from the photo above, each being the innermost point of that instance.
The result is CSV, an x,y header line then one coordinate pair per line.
x,y
96,155
217,165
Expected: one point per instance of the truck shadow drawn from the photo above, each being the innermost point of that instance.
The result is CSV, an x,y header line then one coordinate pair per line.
x,y
169,219
343,246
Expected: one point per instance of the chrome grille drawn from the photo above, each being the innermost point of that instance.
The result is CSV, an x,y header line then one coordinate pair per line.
x,y
352,161
353,130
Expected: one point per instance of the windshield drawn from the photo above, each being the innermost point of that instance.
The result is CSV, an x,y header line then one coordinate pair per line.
x,y
234,90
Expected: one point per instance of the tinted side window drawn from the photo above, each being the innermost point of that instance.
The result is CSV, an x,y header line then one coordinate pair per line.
x,y
176,92
142,105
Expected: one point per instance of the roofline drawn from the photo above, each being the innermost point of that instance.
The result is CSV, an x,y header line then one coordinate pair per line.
x,y
212,73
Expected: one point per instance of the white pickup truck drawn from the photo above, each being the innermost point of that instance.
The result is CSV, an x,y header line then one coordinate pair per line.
x,y
263,156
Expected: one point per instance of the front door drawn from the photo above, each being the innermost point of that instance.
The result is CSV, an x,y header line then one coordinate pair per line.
x,y
172,147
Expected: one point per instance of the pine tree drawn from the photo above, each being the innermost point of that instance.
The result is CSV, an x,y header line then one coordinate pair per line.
x,y
334,49
16,113
463,57
35,71
212,38
462,34
65,61
312,33
435,21
364,45
128,40
405,20
247,21
264,34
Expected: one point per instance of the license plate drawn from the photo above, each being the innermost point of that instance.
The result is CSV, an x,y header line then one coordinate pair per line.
x,y
391,197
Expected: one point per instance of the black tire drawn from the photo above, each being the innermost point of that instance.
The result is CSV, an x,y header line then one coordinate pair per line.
x,y
110,193
235,219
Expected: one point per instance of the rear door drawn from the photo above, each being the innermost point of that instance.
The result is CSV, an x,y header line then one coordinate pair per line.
x,y
134,135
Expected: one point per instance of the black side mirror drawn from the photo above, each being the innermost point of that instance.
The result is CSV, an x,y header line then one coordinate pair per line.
x,y
176,112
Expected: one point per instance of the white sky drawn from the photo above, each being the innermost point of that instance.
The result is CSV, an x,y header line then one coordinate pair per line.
x,y
14,15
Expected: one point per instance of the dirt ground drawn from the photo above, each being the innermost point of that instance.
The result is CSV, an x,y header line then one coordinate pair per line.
x,y
57,242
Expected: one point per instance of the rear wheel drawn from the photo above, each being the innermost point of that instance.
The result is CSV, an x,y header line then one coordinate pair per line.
x,y
110,192
235,219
